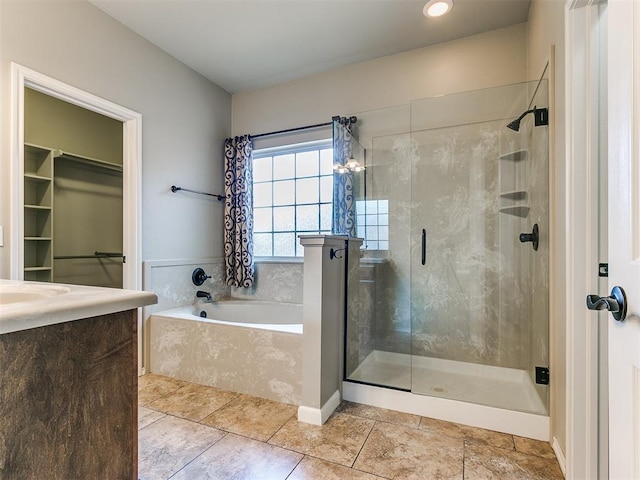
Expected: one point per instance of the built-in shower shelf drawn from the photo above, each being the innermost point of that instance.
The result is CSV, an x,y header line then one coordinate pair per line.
x,y
514,156
514,195
517,210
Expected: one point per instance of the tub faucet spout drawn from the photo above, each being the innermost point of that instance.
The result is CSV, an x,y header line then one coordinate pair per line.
x,y
202,294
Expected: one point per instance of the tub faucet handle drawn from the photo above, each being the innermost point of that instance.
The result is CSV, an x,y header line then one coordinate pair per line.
x,y
198,277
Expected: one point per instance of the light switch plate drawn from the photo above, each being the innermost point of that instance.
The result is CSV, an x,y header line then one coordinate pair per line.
x,y
1,236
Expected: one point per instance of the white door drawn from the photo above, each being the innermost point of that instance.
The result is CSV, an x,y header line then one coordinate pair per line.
x,y
624,235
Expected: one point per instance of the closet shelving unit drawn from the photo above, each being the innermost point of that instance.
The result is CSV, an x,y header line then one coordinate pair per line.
x,y
39,174
514,197
38,213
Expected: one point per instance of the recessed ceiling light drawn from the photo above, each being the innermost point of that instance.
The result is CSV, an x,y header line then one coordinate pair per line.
x,y
436,8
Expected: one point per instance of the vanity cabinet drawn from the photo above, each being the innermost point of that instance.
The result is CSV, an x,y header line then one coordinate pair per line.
x,y
68,400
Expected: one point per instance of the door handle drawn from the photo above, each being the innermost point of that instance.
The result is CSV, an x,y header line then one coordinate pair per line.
x,y
424,246
616,303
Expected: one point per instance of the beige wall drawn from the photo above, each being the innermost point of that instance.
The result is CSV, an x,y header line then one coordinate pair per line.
x,y
53,123
486,60
185,117
546,28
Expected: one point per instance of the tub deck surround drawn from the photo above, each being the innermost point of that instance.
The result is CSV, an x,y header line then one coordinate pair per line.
x,y
67,303
246,346
68,382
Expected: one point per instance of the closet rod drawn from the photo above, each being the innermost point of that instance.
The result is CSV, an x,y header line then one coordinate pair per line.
x,y
175,189
96,254
288,130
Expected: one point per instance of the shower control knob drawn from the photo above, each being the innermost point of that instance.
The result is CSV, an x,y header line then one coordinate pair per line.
x,y
616,303
532,237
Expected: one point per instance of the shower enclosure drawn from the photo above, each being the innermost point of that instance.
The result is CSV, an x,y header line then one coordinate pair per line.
x,y
449,295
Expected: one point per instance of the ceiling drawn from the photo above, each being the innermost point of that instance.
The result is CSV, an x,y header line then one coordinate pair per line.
x,y
247,44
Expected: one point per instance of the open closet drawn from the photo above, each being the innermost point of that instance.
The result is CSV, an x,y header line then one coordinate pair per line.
x,y
73,203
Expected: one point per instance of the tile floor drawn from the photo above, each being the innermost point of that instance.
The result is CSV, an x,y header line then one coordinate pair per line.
x,y
193,432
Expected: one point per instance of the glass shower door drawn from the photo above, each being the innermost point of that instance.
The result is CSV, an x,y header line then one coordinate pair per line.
x,y
472,321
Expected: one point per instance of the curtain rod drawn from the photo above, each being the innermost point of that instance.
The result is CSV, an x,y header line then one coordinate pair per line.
x,y
317,125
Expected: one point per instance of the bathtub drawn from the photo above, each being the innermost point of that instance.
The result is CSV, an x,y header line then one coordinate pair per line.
x,y
246,346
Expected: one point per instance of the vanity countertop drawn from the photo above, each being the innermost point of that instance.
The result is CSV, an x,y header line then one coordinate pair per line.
x,y
25,305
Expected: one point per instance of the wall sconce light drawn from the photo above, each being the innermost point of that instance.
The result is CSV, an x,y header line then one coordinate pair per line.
x,y
352,165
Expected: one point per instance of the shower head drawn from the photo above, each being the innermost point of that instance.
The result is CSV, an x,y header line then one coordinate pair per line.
x,y
541,116
515,125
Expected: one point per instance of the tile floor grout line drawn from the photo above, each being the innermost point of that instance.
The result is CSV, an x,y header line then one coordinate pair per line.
x,y
217,409
294,468
196,457
156,420
464,455
363,444
279,428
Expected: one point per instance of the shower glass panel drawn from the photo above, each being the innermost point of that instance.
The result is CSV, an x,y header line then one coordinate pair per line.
x,y
378,289
449,302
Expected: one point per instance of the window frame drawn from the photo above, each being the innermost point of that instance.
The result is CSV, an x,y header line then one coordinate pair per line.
x,y
293,149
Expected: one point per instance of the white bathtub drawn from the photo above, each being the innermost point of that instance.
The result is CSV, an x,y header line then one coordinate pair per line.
x,y
282,317
246,346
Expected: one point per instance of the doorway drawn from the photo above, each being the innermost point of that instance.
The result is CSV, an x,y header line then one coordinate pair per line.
x,y
131,170
131,165
73,194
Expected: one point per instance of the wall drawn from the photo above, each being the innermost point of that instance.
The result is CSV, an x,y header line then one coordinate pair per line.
x,y
52,123
185,117
485,60
546,29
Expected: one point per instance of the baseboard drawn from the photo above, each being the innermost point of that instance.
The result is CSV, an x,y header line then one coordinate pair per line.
x,y
559,455
318,416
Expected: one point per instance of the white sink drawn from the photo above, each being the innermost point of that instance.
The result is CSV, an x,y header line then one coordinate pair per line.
x,y
28,293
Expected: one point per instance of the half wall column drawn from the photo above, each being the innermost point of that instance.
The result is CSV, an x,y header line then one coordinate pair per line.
x,y
323,326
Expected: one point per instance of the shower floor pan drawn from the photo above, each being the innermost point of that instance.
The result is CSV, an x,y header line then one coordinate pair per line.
x,y
499,387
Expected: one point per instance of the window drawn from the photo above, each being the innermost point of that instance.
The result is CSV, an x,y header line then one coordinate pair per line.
x,y
292,195
373,223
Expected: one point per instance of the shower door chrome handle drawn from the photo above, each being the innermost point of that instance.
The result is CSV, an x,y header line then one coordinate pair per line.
x,y
616,303
424,246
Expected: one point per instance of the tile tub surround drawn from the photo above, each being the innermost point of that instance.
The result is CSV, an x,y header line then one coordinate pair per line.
x,y
385,444
275,281
254,361
171,281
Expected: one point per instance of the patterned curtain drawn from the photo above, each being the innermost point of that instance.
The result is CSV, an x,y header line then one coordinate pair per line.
x,y
238,211
344,208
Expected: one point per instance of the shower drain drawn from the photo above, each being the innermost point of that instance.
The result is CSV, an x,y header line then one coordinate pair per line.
x,y
438,389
